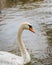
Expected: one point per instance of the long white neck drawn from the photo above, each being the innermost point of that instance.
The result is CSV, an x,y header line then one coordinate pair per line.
x,y
23,50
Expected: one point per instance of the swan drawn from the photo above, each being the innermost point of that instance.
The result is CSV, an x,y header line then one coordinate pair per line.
x,y
7,58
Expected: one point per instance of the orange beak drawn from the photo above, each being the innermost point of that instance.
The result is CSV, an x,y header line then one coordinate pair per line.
x,y
32,30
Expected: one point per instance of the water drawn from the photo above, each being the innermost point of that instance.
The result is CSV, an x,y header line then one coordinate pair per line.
x,y
39,44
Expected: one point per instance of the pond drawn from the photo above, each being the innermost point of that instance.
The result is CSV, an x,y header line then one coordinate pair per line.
x,y
39,44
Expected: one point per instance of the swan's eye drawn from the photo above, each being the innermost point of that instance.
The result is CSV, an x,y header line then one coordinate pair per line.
x,y
30,26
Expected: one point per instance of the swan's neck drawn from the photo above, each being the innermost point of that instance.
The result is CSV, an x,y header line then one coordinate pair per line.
x,y
23,50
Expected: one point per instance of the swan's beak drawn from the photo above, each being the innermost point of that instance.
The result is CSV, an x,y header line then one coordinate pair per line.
x,y
32,30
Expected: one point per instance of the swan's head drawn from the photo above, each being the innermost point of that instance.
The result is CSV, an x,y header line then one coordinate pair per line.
x,y
28,26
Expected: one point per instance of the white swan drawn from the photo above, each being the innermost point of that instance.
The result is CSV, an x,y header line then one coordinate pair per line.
x,y
7,58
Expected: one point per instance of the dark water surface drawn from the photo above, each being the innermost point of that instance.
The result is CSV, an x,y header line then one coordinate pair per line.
x,y
39,44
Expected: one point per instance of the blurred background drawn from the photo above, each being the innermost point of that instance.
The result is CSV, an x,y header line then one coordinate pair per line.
x,y
12,3
36,12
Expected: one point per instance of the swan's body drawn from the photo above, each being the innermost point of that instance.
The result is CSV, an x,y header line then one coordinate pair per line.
x,y
7,58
